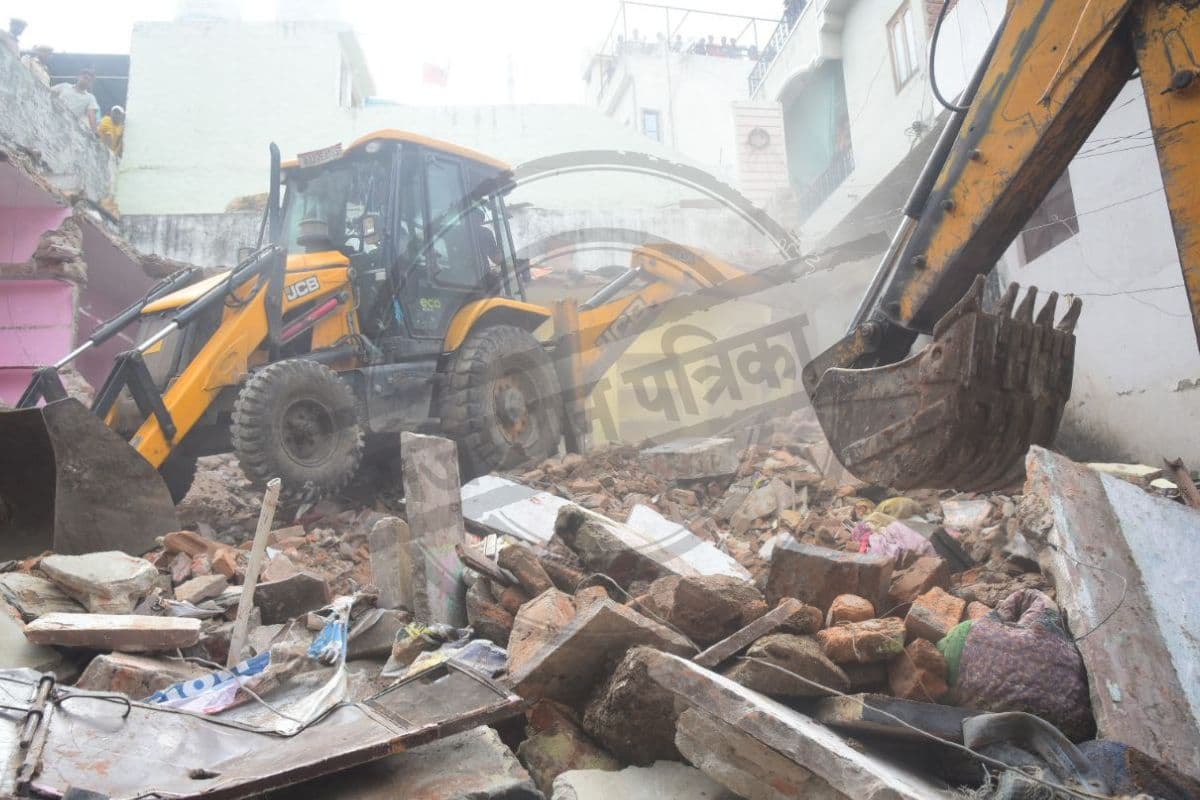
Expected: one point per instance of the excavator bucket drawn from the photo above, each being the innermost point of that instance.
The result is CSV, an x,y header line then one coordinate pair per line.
x,y
962,412
70,484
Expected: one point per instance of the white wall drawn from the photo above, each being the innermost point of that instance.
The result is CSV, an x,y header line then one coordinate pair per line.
x,y
693,94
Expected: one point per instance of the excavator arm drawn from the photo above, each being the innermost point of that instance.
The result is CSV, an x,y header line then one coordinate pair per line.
x,y
963,410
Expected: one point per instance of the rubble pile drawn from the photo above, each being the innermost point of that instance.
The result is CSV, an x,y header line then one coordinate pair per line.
x,y
690,619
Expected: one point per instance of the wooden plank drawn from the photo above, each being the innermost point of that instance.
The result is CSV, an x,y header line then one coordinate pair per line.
x,y
864,713
258,550
433,500
473,558
740,640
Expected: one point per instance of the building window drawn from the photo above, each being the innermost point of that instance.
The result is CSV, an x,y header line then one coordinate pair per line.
x,y
1052,223
650,125
902,41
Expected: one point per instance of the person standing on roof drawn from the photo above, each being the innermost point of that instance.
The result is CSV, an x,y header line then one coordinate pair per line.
x,y
78,98
38,62
112,130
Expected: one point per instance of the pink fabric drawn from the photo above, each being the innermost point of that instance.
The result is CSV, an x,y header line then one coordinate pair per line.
x,y
893,540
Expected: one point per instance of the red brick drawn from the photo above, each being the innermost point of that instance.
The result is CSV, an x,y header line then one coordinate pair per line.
x,y
863,642
849,608
536,624
977,610
919,673
910,583
933,614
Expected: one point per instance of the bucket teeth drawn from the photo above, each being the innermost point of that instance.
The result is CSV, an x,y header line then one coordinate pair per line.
x,y
1025,310
1071,317
1045,317
1008,301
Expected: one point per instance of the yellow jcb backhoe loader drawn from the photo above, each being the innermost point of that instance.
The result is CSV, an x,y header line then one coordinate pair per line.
x,y
386,295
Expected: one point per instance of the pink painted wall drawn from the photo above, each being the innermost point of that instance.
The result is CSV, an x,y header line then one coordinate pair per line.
x,y
20,229
36,328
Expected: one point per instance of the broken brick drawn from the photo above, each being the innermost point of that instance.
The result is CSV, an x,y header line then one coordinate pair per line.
x,y
705,609
511,598
225,563
632,716
524,565
910,583
977,610
849,608
557,744
536,624
863,642
488,619
933,614
919,673
800,655
200,588
691,459
135,676
790,616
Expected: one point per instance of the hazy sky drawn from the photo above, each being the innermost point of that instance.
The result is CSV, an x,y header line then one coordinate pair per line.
x,y
547,42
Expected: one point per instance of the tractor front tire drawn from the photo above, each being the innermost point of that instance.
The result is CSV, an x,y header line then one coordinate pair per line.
x,y
296,420
502,402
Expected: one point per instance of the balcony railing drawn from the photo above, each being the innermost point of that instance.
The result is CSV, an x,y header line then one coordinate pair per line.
x,y
826,183
775,44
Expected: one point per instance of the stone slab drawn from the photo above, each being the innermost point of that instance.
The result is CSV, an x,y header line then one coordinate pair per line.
x,y
790,733
569,666
33,596
128,633
1124,560
105,583
691,458
433,505
817,575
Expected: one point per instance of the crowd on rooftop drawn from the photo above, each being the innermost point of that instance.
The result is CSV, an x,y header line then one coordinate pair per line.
x,y
76,96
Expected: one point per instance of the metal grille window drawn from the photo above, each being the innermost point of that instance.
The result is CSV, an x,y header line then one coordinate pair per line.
x,y
650,125
902,42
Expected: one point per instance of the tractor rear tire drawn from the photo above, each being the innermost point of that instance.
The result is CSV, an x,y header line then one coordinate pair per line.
x,y
296,420
502,403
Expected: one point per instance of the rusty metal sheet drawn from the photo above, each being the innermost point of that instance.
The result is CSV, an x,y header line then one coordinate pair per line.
x,y
157,752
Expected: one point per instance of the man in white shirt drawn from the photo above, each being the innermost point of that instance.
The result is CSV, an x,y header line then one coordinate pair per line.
x,y
78,98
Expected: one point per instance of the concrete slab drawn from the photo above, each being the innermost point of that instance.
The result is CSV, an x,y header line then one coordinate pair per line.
x,y
665,780
433,497
1123,563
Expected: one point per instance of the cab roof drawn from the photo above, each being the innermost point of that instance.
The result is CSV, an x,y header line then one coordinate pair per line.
x,y
394,135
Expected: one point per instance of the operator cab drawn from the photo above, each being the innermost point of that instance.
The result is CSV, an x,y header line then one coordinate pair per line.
x,y
422,223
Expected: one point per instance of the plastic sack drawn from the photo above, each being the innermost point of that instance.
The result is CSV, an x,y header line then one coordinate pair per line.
x,y
1020,658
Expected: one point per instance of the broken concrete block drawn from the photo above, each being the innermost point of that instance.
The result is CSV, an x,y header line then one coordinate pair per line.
x,y
705,609
433,504
919,673
849,608
291,597
475,764
277,568
863,642
691,459
524,565
105,583
631,716
770,498
1139,474
790,616
817,575
538,623
201,588
1092,528
664,780
801,655
129,633
556,745
744,765
390,544
34,596
486,616
910,583
933,614
966,514
754,724
568,667
135,676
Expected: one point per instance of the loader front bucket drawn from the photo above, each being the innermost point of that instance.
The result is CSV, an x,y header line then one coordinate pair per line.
x,y
70,484
962,412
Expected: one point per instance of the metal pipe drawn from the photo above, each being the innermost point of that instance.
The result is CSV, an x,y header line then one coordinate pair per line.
x,y
606,293
883,272
74,354
166,331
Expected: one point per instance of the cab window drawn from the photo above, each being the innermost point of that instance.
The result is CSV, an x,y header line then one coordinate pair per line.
x,y
453,252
